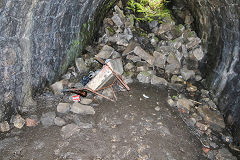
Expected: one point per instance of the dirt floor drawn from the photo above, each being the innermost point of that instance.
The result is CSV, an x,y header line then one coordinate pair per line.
x,y
133,128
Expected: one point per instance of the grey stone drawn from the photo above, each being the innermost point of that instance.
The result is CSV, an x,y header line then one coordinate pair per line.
x,y
165,27
42,40
127,79
133,58
117,20
160,59
198,53
177,79
187,74
191,121
202,126
69,130
142,68
144,77
198,78
144,55
157,108
57,87
4,126
128,66
193,42
152,72
67,76
81,65
212,105
122,40
47,119
173,66
86,101
59,121
63,107
105,52
155,80
184,103
191,88
115,55
171,102
130,48
224,154
18,121
212,117
128,34
82,109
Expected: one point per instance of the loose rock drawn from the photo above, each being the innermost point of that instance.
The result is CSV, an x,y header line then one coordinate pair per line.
x,y
155,80
160,59
211,117
18,121
81,65
59,121
144,55
187,74
63,107
86,101
4,126
82,109
184,103
144,77
105,52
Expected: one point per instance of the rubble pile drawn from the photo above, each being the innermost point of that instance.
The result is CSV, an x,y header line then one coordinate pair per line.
x,y
168,55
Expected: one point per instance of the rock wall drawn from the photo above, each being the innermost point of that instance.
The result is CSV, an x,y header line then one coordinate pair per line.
x,y
39,39
217,23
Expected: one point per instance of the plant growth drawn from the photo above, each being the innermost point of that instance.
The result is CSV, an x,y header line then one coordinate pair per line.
x,y
149,10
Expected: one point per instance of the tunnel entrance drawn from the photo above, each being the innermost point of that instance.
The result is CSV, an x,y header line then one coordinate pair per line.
x,y
168,114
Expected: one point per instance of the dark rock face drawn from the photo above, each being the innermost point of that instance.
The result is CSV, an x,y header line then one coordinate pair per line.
x,y
217,23
39,39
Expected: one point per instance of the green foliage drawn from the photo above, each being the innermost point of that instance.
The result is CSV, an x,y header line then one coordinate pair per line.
x,y
149,10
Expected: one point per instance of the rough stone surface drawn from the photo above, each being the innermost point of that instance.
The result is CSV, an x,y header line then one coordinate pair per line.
x,y
144,77
4,126
187,74
18,121
174,65
160,59
82,109
184,103
144,55
211,117
105,52
59,121
81,65
57,87
86,101
158,81
38,41
47,119
224,154
69,130
63,107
